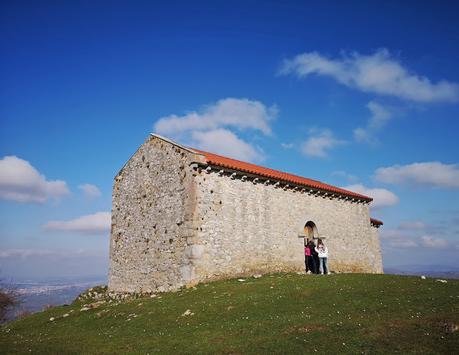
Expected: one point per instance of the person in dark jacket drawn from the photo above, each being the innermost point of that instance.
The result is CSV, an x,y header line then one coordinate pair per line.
x,y
314,258
316,255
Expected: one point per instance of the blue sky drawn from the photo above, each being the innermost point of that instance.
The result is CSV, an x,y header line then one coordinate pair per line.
x,y
360,94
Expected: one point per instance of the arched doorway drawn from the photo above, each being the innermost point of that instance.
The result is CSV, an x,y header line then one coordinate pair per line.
x,y
310,230
310,259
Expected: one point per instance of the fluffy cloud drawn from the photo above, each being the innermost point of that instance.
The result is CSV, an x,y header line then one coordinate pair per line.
x,y
237,113
90,190
212,128
434,174
287,145
346,176
403,243
398,238
97,223
226,143
381,197
31,253
380,115
413,225
319,143
25,253
413,234
21,182
377,73
433,242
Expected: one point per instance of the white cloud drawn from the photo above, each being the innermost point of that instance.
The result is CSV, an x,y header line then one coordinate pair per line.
x,y
236,113
21,182
433,242
319,143
413,225
381,197
225,142
25,253
220,120
90,190
380,115
287,145
398,238
434,174
393,233
342,174
377,73
403,243
97,223
411,234
30,253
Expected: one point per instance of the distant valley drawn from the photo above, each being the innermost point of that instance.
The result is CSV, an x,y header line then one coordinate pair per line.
x,y
37,295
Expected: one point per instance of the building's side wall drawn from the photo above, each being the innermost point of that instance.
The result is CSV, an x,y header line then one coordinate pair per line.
x,y
152,220
247,227
375,255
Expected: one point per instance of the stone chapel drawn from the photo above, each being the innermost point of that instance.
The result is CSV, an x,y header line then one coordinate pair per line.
x,y
182,216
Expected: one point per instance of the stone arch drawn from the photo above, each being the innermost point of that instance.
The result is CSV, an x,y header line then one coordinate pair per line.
x,y
310,230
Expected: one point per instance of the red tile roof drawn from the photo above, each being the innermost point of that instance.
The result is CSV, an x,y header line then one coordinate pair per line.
x,y
376,222
225,162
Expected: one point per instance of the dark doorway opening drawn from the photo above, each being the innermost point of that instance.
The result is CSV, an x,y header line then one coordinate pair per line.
x,y
310,230
310,258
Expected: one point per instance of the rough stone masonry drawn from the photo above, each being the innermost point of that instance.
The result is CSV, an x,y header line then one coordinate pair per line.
x,y
182,216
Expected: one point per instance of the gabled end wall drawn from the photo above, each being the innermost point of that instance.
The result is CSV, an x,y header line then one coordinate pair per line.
x,y
152,219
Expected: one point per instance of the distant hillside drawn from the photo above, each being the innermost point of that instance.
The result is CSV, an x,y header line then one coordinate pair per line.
x,y
280,313
427,270
38,294
430,273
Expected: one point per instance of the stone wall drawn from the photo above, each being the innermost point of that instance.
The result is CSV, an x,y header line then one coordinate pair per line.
x,y
374,252
250,227
152,219
174,224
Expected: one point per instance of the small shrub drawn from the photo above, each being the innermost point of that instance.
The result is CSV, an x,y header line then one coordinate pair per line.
x,y
8,300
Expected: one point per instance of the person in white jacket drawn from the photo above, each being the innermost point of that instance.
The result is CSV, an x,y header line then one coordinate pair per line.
x,y
322,250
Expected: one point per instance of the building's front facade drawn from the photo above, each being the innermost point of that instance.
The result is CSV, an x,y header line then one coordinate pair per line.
x,y
182,216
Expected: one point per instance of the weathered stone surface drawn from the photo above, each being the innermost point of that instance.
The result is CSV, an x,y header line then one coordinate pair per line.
x,y
175,225
152,220
259,228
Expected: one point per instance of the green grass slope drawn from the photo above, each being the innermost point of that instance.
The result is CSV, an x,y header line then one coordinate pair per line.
x,y
280,313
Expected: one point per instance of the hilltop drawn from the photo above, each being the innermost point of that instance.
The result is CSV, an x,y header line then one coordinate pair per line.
x,y
279,313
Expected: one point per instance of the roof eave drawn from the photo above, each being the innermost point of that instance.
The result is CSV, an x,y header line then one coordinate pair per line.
x,y
293,183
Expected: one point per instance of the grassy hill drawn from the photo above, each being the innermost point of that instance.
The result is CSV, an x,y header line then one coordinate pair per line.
x,y
280,313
